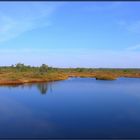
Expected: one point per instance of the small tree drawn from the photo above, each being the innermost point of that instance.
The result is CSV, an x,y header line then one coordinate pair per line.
x,y
43,68
19,65
12,66
79,69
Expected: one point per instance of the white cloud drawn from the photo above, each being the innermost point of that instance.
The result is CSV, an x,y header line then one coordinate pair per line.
x,y
17,18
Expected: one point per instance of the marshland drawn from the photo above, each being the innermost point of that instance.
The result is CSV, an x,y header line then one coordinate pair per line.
x,y
21,73
69,70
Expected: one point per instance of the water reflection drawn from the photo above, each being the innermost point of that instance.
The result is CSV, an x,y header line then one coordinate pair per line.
x,y
42,87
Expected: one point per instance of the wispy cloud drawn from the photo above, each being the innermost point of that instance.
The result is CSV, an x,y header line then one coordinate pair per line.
x,y
133,48
103,6
71,58
131,26
134,27
19,17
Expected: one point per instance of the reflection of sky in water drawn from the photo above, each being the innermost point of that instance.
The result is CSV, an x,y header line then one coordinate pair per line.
x,y
73,108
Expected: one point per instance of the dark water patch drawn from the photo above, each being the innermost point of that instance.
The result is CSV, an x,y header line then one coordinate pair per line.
x,y
74,108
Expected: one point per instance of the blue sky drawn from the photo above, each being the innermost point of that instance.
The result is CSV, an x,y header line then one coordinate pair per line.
x,y
70,34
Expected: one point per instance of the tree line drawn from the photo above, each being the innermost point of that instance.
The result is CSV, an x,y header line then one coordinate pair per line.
x,y
45,68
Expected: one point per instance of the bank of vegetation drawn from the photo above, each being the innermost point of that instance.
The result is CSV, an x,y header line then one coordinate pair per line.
x,y
21,73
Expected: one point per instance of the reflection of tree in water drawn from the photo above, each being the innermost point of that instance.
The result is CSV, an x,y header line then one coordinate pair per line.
x,y
51,87
43,87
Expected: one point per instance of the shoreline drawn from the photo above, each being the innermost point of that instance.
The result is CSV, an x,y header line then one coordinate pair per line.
x,y
27,74
22,82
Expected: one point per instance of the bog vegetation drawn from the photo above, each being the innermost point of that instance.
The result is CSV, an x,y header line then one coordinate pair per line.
x,y
21,73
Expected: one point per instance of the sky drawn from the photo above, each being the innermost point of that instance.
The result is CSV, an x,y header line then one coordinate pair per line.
x,y
70,34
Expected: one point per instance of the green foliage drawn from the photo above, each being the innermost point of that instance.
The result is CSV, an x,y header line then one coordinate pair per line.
x,y
43,68
79,69
125,70
19,66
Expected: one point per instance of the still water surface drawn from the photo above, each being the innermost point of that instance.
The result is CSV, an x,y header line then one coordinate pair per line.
x,y
74,108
